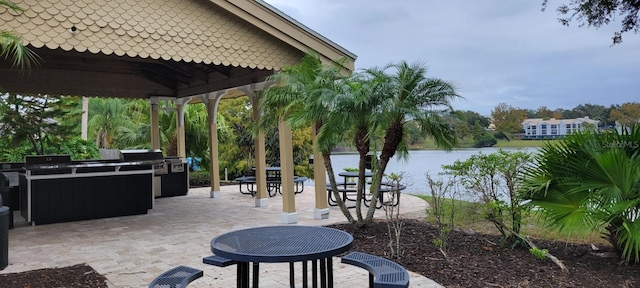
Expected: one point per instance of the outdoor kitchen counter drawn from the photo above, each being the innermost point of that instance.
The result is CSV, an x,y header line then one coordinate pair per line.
x,y
81,191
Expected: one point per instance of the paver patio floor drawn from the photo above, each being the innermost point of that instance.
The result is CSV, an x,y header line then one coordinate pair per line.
x,y
131,251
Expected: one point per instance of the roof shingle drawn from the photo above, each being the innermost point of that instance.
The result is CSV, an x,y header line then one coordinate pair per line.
x,y
182,30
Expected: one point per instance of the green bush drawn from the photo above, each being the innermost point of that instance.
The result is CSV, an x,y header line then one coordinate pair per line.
x,y
199,178
78,149
500,135
485,140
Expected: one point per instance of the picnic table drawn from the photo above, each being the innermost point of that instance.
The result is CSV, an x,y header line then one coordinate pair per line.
x,y
283,244
348,189
274,182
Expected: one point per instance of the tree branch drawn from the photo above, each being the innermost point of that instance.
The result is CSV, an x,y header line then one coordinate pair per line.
x,y
555,259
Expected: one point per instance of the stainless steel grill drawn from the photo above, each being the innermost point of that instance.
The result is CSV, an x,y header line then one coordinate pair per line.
x,y
170,173
47,164
47,161
174,164
151,157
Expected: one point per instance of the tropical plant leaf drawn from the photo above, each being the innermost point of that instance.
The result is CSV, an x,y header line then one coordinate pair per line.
x,y
588,180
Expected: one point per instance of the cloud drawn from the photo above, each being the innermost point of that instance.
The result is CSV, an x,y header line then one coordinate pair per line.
x,y
494,50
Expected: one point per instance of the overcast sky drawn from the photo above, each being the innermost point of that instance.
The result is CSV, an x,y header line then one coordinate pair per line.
x,y
493,50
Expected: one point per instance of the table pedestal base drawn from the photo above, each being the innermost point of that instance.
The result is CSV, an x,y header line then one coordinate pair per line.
x,y
243,275
326,274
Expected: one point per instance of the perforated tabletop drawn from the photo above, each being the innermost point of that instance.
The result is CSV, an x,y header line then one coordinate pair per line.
x,y
367,174
281,244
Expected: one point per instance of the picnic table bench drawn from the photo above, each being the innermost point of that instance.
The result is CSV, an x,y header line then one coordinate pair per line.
x,y
349,190
344,188
179,276
382,272
273,185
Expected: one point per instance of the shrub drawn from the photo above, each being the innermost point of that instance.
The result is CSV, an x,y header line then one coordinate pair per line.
x,y
495,180
485,140
443,208
78,149
392,213
199,178
501,135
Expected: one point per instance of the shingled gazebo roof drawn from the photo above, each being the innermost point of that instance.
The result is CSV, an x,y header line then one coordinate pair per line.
x,y
146,48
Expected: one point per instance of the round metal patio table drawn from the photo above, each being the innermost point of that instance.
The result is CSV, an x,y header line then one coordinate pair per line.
x,y
282,244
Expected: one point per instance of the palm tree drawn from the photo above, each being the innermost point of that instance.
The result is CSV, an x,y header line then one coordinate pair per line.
x,y
196,128
313,94
105,116
137,133
305,95
588,181
410,96
11,44
358,103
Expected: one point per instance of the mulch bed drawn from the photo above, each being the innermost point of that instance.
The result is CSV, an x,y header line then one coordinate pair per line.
x,y
81,276
474,260
478,260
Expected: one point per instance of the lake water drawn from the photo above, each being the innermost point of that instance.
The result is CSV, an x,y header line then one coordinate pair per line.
x,y
417,165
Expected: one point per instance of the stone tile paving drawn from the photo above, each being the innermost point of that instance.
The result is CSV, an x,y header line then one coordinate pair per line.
x,y
131,251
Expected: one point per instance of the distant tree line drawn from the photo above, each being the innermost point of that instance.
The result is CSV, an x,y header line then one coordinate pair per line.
x,y
507,120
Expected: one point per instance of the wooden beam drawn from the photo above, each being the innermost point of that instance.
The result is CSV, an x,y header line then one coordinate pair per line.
x,y
255,77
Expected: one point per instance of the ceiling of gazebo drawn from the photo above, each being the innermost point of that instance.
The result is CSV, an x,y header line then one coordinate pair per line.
x,y
86,74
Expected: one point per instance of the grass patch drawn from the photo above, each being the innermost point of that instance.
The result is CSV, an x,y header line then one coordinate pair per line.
x,y
468,142
468,216
519,143
535,227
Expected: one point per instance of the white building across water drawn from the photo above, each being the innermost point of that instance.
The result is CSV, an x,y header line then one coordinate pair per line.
x,y
539,128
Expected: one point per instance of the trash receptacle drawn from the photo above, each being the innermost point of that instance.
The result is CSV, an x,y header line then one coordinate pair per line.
x,y
4,225
4,237
4,186
5,196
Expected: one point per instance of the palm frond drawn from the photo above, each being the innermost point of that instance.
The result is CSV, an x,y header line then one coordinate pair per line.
x,y
629,240
11,47
11,6
584,181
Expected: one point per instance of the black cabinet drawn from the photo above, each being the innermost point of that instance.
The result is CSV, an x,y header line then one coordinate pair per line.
x,y
85,196
175,182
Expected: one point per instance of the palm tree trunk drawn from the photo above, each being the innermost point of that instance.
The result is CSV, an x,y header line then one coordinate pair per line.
x,y
105,140
393,138
612,236
334,188
362,145
34,144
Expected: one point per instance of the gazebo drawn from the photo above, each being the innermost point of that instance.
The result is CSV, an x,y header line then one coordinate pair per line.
x,y
184,51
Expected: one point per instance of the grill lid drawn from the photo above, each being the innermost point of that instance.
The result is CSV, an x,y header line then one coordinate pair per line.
x,y
151,155
47,160
173,160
